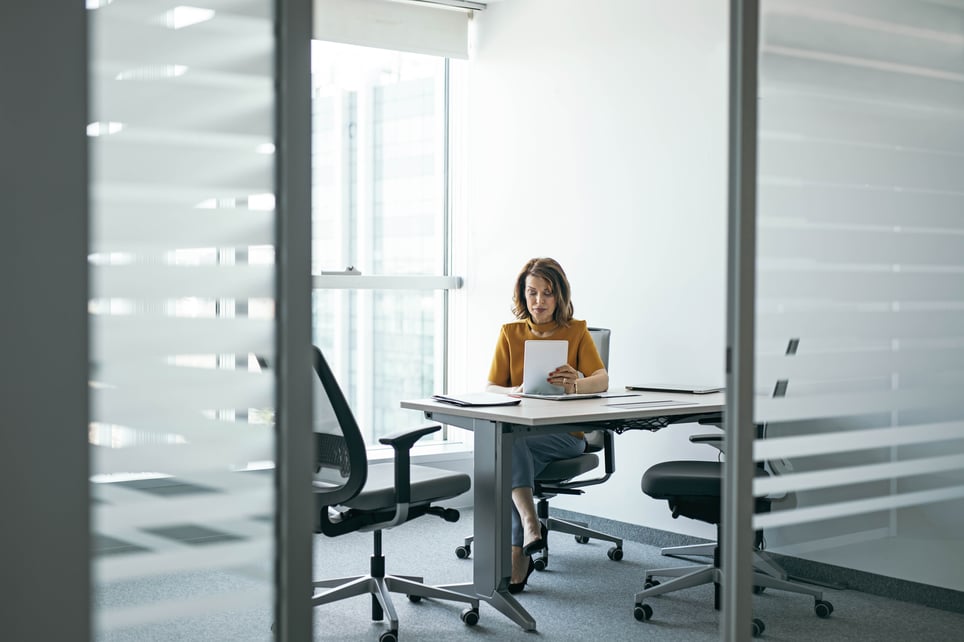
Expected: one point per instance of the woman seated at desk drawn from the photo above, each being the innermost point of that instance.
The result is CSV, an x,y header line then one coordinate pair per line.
x,y
543,306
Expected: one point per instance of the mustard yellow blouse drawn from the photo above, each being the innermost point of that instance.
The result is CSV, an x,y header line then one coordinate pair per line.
x,y
506,369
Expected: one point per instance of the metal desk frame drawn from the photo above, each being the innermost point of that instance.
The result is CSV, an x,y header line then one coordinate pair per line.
x,y
495,428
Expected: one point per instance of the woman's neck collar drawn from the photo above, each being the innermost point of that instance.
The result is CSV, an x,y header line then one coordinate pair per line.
x,y
542,329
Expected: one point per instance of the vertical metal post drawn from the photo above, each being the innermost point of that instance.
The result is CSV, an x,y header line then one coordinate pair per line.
x,y
294,521
737,531
45,541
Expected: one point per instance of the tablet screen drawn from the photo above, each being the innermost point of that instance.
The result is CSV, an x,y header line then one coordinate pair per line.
x,y
541,358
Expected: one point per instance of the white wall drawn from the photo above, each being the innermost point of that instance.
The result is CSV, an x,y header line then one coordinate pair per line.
x,y
596,134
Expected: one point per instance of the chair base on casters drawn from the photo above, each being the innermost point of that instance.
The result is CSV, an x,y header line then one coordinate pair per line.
x,y
580,530
761,560
690,576
582,534
380,586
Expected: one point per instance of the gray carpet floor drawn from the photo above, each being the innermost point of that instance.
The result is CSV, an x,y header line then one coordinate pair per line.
x,y
581,596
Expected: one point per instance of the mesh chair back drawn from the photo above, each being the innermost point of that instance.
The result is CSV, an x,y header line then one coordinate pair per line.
x,y
341,463
600,337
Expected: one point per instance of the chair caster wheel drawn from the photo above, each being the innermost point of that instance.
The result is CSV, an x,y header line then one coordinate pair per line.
x,y
650,583
415,598
388,636
470,616
540,563
463,552
615,553
758,627
822,608
581,539
642,612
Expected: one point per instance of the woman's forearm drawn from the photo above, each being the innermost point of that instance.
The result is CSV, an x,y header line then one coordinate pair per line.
x,y
596,382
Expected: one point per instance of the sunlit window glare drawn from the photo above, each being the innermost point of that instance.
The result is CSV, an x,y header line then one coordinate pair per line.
x,y
108,128
184,16
152,72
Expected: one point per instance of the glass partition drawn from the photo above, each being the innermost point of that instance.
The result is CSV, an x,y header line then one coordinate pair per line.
x,y
182,310
860,286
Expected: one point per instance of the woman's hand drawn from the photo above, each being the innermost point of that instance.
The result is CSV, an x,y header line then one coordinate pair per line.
x,y
564,376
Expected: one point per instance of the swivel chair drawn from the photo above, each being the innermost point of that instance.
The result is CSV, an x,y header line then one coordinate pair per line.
x,y
558,478
352,495
694,489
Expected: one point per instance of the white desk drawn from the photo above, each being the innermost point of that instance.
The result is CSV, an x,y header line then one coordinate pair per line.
x,y
495,427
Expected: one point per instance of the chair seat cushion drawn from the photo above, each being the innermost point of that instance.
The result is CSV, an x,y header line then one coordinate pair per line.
x,y
685,479
428,485
564,469
688,478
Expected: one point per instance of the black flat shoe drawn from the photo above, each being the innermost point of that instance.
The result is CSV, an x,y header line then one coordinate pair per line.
x,y
516,587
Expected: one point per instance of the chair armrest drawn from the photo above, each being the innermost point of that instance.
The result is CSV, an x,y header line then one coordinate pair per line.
x,y
711,439
407,438
402,442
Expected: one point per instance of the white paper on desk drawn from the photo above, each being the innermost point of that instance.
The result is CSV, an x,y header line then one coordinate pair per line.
x,y
572,397
650,404
540,358
581,395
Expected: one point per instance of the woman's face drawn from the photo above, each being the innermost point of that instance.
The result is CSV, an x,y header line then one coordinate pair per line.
x,y
540,299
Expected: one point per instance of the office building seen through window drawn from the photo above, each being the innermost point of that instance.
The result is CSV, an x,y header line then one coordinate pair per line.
x,y
379,220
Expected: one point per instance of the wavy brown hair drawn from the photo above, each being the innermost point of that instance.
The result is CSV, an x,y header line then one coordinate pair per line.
x,y
551,271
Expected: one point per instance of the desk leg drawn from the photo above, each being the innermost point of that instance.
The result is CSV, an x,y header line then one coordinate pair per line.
x,y
492,561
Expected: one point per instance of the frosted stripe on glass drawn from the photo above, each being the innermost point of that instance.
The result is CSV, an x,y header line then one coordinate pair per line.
x,y
861,285
194,457
787,483
248,500
781,320
120,618
858,403
166,282
843,441
159,229
856,507
869,362
193,387
122,337
183,559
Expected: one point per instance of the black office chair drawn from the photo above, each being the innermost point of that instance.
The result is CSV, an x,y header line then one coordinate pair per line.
x,y
694,489
353,495
559,478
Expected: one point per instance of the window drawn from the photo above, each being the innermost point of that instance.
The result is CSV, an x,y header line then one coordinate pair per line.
x,y
380,171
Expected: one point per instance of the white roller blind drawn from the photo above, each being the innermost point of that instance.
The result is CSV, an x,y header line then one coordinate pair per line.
x,y
416,27
861,258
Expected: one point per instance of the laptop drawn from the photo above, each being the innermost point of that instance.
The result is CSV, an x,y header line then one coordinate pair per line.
x,y
693,389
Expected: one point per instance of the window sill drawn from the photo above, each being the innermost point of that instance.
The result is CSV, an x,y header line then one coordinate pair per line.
x,y
427,454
